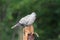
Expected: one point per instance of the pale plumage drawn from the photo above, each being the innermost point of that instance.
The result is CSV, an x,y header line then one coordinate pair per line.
x,y
27,20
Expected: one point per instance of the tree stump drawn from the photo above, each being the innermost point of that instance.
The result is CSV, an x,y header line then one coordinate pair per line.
x,y
28,33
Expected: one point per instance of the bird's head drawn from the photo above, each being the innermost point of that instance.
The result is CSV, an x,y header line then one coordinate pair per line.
x,y
33,13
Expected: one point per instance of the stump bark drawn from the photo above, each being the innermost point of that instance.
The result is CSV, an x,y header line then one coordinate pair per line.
x,y
28,33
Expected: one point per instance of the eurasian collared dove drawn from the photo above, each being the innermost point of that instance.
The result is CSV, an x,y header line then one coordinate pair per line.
x,y
27,20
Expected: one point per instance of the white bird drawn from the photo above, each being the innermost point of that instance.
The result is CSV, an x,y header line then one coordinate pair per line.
x,y
27,20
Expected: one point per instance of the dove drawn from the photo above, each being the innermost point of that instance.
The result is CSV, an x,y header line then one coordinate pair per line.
x,y
26,21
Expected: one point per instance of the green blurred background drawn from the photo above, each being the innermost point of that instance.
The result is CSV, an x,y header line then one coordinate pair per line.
x,y
47,24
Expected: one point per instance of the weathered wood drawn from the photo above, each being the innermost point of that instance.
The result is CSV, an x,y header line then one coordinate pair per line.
x,y
28,33
20,33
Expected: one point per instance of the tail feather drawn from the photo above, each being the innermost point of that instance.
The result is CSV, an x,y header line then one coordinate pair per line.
x,y
15,26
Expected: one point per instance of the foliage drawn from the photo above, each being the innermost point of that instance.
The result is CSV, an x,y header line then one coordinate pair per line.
x,y
47,24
